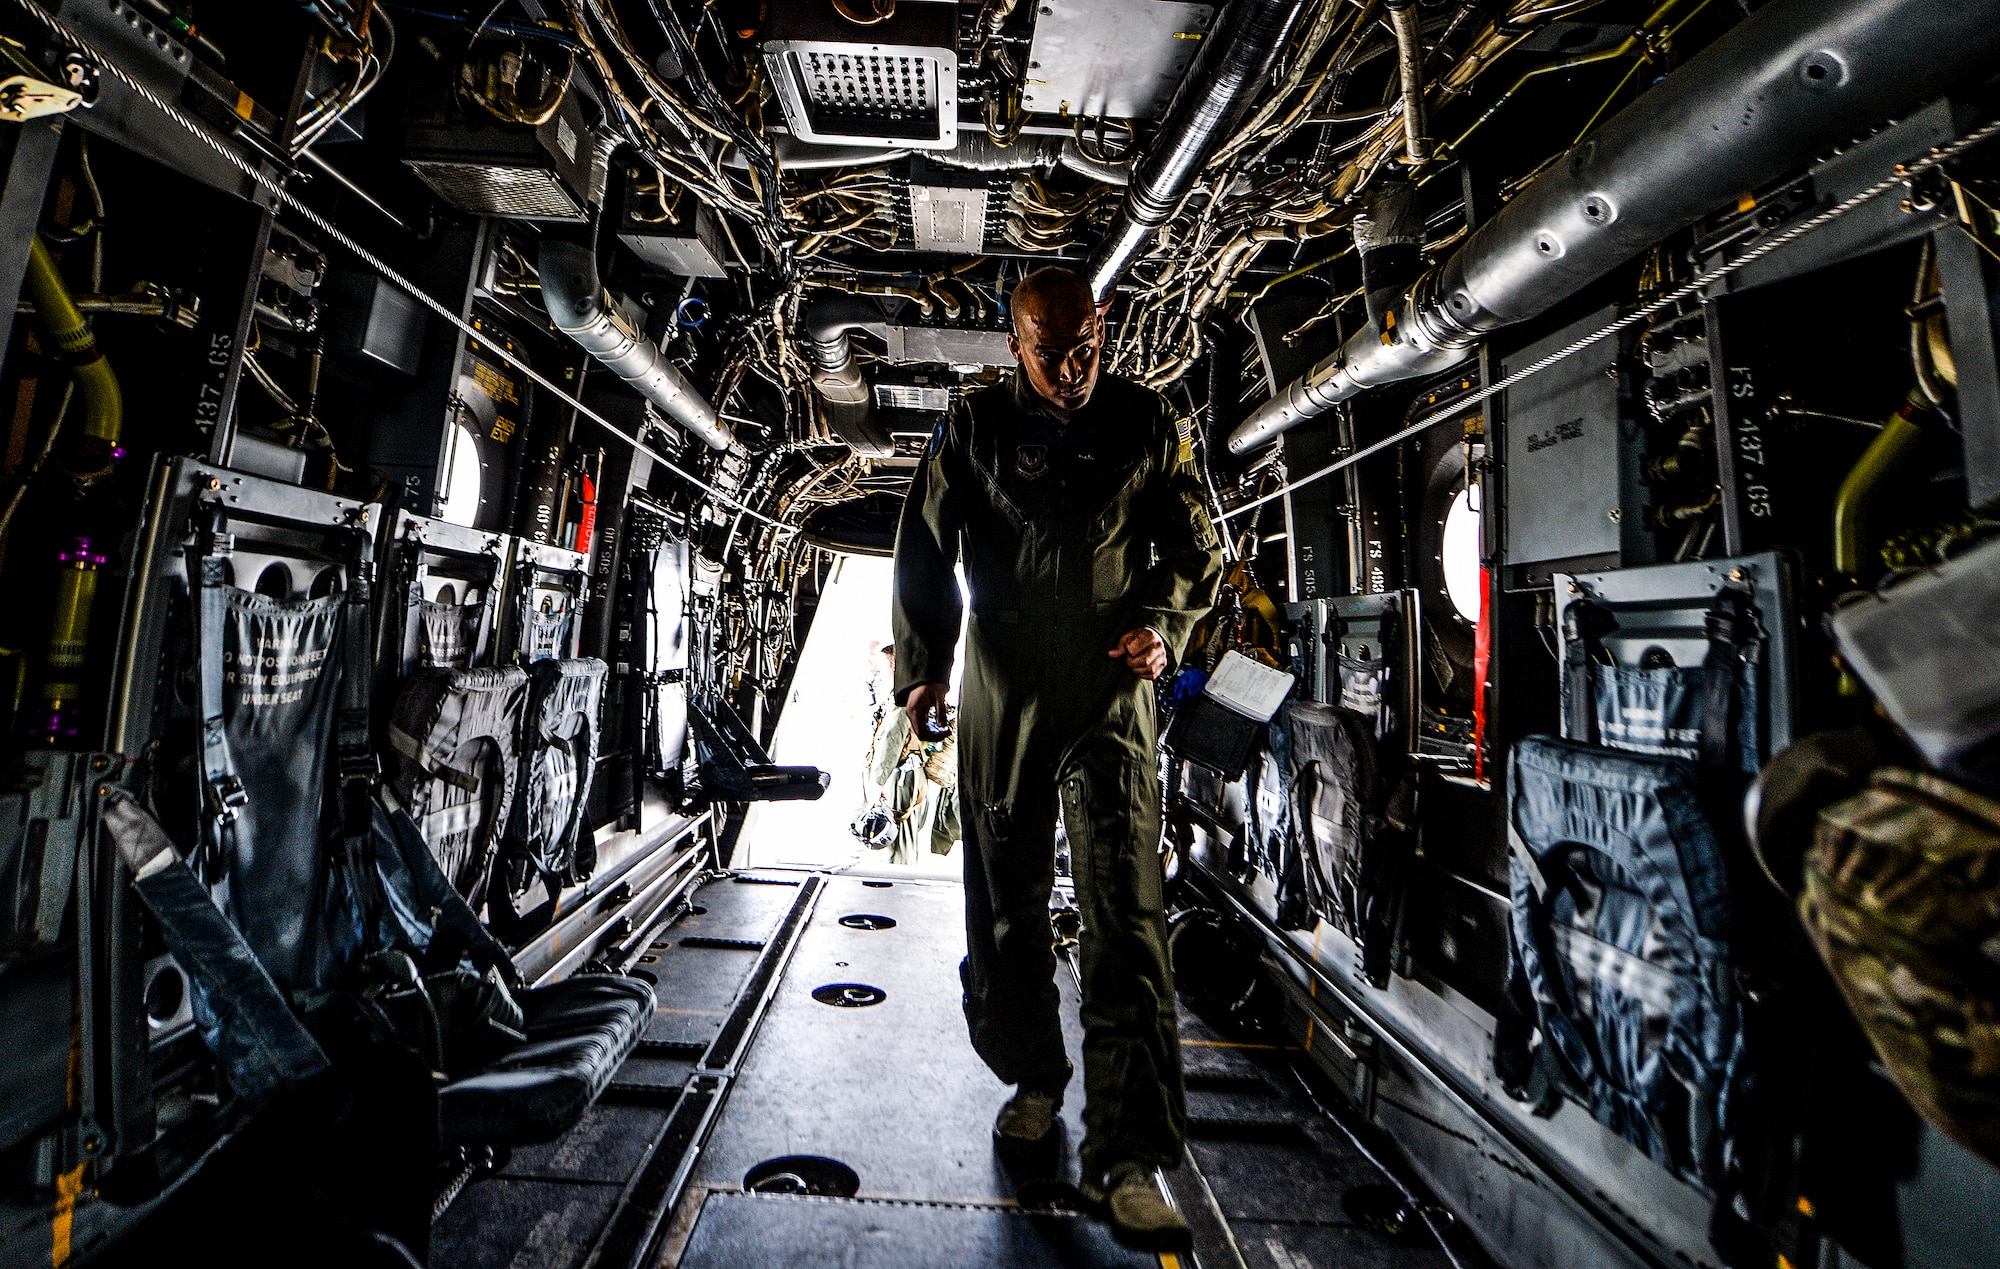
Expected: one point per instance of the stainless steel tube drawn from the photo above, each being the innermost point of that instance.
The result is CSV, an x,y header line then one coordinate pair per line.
x,y
1234,64
580,309
1790,82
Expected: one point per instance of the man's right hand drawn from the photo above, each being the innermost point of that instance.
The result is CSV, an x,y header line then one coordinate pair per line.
x,y
925,706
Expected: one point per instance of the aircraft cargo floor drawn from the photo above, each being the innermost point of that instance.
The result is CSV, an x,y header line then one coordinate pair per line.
x,y
748,1071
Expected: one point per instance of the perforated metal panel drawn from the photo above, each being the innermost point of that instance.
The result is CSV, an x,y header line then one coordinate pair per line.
x,y
893,86
899,396
530,193
856,94
894,83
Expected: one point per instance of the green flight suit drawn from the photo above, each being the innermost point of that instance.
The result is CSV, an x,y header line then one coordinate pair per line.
x,y
1069,536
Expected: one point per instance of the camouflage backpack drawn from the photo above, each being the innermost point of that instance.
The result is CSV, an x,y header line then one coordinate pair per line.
x,y
1902,899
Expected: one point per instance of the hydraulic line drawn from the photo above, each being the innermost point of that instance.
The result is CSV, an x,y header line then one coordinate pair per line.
x,y
1892,447
1927,331
69,639
1613,53
64,325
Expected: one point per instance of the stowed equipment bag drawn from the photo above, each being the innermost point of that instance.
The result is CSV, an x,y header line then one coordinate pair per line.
x,y
1902,899
1352,844
455,737
547,836
1623,942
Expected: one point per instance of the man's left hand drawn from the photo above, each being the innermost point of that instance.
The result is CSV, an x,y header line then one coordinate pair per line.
x,y
1144,651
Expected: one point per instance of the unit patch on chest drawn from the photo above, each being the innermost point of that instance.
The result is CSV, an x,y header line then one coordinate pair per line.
x,y
1031,462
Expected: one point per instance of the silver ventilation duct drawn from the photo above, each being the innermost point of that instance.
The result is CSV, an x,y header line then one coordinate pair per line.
x,y
580,309
849,403
1233,66
1793,80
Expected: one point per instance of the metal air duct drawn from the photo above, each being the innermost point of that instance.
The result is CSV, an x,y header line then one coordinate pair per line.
x,y
1233,65
578,306
1793,80
849,402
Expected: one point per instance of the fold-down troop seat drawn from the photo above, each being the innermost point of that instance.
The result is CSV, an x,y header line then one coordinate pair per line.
x,y
492,753
283,886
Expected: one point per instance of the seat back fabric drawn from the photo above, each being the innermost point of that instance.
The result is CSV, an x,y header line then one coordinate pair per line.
x,y
1350,828
454,739
548,838
1622,931
1711,711
282,739
449,636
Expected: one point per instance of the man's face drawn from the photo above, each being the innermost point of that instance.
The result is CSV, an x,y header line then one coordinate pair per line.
x,y
1058,351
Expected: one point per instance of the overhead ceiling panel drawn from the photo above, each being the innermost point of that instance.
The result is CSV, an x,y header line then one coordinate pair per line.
x,y
1112,59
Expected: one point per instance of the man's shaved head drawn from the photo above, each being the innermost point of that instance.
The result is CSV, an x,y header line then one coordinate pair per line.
x,y
1057,334
1052,295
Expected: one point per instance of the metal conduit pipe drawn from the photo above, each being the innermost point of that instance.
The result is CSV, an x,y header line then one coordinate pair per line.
x,y
825,325
1409,28
1789,82
579,307
1233,66
978,152
90,456
1893,446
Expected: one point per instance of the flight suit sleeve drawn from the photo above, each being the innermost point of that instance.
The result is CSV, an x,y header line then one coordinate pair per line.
x,y
1179,589
925,606
889,742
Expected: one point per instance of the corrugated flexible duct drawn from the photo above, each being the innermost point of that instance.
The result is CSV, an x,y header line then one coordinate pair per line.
x,y
849,403
1793,80
580,309
1234,64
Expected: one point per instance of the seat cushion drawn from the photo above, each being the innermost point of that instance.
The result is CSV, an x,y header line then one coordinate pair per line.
x,y
579,1031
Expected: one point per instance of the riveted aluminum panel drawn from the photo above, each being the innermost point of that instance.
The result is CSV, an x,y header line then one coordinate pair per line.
x,y
1112,59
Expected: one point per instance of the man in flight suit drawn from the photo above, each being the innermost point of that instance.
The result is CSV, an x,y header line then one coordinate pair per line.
x,y
1073,504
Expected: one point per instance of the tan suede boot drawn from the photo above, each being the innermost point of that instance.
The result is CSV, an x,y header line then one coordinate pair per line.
x,y
1028,1117
1139,1212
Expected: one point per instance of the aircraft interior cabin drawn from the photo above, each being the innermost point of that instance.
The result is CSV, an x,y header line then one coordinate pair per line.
x,y
1000,634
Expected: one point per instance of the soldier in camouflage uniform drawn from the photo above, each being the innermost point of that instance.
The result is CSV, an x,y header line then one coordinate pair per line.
x,y
1074,505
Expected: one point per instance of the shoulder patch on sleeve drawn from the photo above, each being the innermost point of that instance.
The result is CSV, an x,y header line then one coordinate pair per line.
x,y
1184,430
936,442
